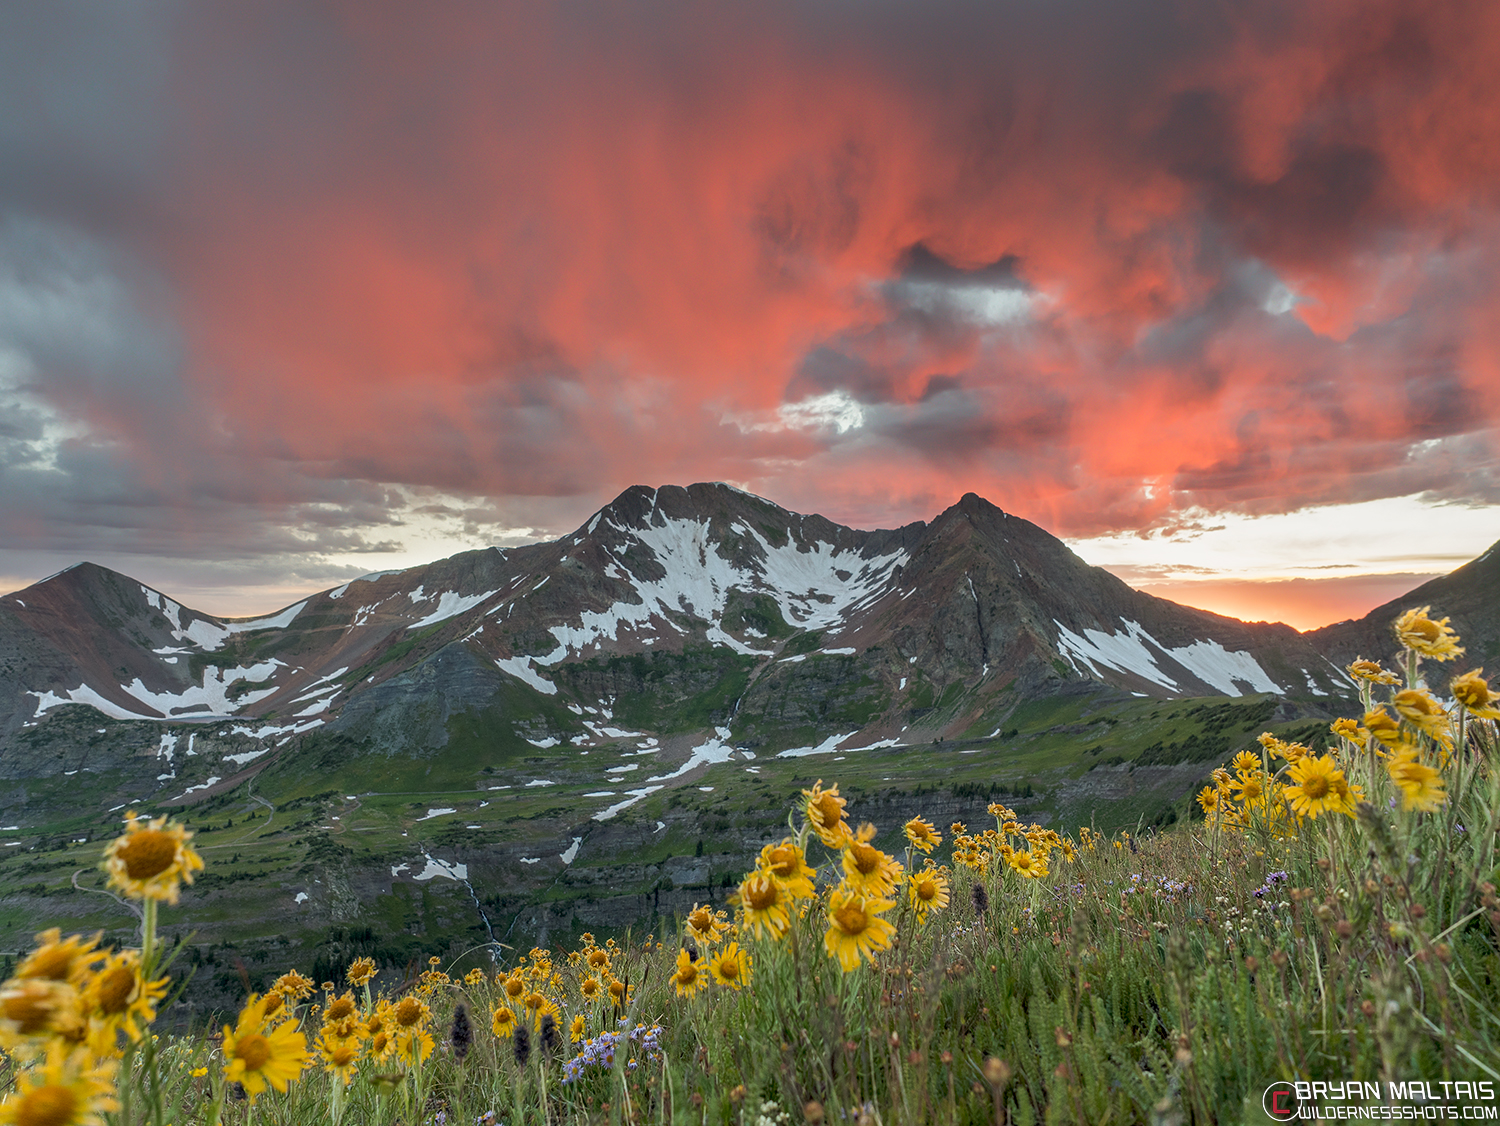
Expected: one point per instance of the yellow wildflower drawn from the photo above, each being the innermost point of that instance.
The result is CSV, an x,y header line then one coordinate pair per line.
x,y
1373,673
68,1089
730,966
1425,714
825,813
151,859
855,928
1421,786
1435,639
763,905
1473,692
257,1058
1317,788
920,832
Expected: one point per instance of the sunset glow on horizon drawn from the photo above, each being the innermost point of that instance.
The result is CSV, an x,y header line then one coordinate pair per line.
x,y
290,293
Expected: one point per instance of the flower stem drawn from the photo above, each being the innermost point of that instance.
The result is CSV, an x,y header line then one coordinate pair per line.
x,y
148,938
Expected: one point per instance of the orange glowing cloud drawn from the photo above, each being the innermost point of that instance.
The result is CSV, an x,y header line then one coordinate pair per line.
x,y
1099,263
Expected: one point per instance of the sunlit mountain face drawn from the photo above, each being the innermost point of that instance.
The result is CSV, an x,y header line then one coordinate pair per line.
x,y
296,294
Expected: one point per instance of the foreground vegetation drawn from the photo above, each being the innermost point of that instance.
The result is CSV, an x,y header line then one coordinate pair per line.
x,y
1334,917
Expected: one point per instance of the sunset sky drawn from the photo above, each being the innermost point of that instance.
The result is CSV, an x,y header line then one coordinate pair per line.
x,y
291,292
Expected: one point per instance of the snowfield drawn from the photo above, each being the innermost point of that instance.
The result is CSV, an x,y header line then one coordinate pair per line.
x,y
1128,651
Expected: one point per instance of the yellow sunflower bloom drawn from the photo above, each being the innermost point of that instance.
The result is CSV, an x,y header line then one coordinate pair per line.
x,y
1351,730
381,1019
1373,673
590,989
119,999
1473,692
60,959
920,832
1316,788
340,1056
577,1028
151,859
1250,789
69,1089
1421,786
537,1005
340,1009
687,979
515,986
730,966
598,958
704,926
1435,639
763,905
866,868
1246,761
855,928
361,971
1029,864
410,1013
1383,726
414,1045
1425,714
34,1011
503,1021
825,813
257,1058
785,864
293,985
382,1044
1208,798
927,891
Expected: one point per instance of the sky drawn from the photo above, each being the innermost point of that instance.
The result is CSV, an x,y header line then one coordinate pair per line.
x,y
291,292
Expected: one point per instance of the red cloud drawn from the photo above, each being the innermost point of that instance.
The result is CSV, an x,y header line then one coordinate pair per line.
x,y
514,250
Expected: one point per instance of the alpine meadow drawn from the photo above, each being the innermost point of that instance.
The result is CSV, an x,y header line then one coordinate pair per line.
x,y
750,563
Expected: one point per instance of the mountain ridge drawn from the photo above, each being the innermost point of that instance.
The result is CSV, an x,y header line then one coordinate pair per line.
x,y
976,595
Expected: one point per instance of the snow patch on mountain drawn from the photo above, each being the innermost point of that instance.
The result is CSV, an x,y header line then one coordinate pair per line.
x,y
717,749
450,605
210,635
814,588
213,693
826,747
318,687
635,796
1127,651
447,869
520,668
83,694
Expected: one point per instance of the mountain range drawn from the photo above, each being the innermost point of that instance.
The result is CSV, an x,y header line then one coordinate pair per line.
x,y
977,606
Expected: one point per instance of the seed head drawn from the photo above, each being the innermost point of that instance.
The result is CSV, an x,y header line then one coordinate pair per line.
x,y
981,899
461,1035
521,1045
996,1072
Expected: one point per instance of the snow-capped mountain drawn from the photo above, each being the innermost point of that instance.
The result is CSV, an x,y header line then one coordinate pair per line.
x,y
676,594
